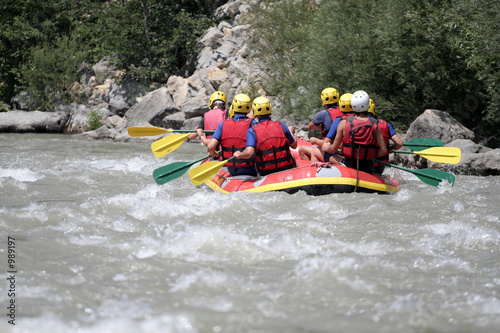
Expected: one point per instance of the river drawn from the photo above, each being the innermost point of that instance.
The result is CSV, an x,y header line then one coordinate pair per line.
x,y
97,246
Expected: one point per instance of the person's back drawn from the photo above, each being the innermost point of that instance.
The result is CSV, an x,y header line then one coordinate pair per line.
x,y
273,149
359,135
323,120
212,118
231,134
269,141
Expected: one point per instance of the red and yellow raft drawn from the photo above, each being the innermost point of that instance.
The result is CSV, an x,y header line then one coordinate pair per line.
x,y
311,179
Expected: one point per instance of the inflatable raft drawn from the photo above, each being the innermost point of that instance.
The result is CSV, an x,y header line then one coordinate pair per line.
x,y
311,179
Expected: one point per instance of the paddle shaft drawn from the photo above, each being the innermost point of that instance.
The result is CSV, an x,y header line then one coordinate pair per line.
x,y
154,131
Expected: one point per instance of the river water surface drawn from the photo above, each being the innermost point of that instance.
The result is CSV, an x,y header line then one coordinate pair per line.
x,y
100,247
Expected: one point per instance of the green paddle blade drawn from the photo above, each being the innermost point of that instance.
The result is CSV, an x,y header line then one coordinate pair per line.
x,y
204,172
429,176
450,155
170,172
147,131
167,145
421,144
434,177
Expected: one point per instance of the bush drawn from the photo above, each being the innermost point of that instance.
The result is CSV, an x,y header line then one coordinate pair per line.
x,y
94,120
52,70
408,55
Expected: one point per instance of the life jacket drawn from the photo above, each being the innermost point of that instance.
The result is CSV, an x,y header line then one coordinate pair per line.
x,y
234,138
334,114
384,128
212,119
273,150
359,139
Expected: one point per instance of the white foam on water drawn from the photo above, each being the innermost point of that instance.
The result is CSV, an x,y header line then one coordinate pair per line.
x,y
202,279
34,212
52,323
461,235
22,175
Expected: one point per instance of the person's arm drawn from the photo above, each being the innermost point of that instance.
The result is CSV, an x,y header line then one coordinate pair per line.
x,y
311,126
330,146
398,143
382,148
212,146
204,139
289,136
317,121
316,141
247,153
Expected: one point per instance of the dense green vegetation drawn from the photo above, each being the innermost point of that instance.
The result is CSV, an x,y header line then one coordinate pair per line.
x,y
408,55
43,43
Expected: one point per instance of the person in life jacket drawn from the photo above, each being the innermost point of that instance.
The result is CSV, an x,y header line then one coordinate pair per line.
x,y
268,141
359,135
389,134
323,120
346,109
212,118
231,134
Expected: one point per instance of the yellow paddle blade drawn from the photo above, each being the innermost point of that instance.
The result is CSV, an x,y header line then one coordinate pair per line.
x,y
167,145
147,131
204,172
450,155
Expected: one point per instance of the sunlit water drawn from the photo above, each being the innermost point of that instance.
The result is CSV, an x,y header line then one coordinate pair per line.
x,y
99,247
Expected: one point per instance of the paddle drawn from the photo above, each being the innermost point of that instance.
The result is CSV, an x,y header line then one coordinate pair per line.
x,y
173,170
421,144
153,131
204,172
167,145
450,155
428,176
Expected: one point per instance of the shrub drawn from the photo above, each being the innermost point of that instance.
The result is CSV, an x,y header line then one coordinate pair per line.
x,y
94,120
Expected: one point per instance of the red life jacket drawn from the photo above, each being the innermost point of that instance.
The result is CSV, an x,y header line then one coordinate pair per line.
x,y
234,138
273,150
359,140
384,128
334,114
212,119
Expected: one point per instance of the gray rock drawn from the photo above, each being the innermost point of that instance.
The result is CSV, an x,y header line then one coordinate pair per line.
x,y
152,109
122,96
32,122
211,38
438,124
23,101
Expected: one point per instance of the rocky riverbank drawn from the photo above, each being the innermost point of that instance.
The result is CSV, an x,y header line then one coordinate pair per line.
x,y
221,64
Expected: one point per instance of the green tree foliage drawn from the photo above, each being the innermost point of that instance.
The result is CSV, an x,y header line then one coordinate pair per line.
x,y
149,39
408,55
51,72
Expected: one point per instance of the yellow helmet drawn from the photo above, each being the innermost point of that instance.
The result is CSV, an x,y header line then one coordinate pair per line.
x,y
371,109
261,106
231,112
218,95
241,104
329,96
345,102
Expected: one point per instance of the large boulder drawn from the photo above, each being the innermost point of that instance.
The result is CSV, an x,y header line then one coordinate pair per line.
x,y
475,159
123,95
32,122
151,109
438,124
